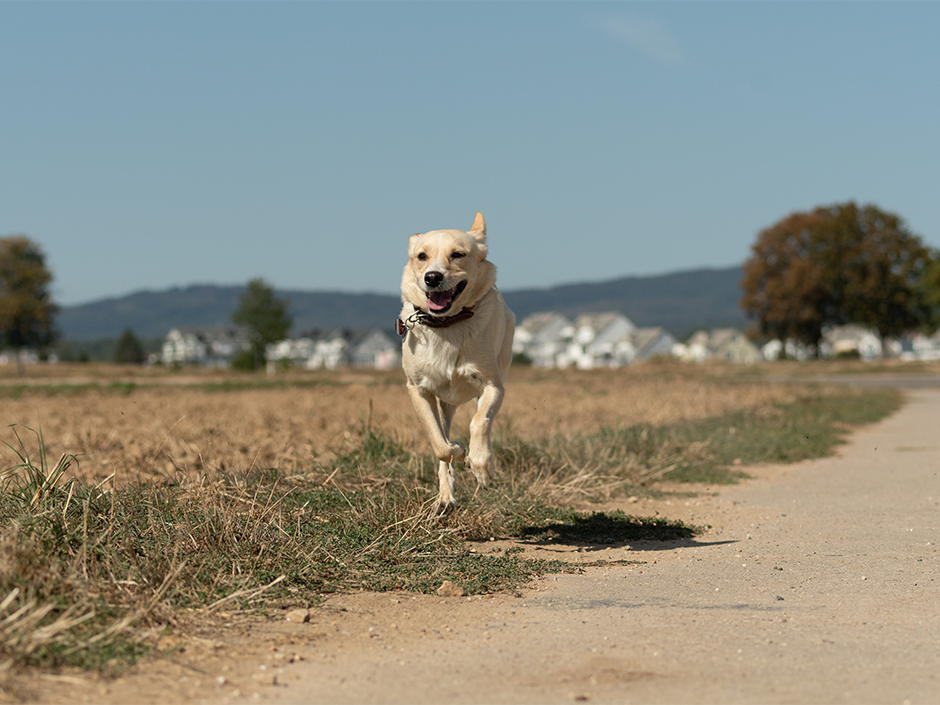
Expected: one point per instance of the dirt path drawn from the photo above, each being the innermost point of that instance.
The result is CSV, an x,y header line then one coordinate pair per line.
x,y
818,582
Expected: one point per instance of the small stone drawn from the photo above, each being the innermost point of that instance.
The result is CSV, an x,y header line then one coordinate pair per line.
x,y
449,589
298,616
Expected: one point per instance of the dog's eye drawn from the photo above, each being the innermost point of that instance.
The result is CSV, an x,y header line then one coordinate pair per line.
x,y
421,257
457,255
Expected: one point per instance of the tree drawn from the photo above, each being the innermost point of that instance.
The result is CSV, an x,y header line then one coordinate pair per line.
x,y
929,292
785,283
129,349
26,308
835,265
885,275
264,316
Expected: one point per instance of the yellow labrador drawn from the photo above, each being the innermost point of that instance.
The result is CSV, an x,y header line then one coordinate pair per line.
x,y
457,345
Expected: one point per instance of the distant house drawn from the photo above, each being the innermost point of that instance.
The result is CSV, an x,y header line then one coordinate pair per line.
x,y
921,347
695,349
296,351
855,339
732,345
339,347
610,339
210,347
775,349
598,340
652,342
729,344
374,348
540,338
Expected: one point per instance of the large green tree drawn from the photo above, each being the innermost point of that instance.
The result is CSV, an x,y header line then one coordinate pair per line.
x,y
834,265
264,315
26,307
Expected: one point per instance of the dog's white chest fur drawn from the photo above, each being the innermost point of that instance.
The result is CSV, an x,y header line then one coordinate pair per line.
x,y
438,366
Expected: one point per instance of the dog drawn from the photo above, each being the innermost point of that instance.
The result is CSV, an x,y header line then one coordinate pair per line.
x,y
457,345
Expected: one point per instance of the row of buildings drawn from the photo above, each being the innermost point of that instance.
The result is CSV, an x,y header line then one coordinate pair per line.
x,y
328,348
547,339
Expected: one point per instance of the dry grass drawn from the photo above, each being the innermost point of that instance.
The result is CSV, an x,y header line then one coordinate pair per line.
x,y
159,423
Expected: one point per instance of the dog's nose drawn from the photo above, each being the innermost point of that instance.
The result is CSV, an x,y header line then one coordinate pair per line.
x,y
433,278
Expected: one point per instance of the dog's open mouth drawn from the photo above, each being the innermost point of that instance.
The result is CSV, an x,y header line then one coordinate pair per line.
x,y
441,301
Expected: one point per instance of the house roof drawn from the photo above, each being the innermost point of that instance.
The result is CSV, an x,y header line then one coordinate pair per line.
x,y
598,321
645,337
536,321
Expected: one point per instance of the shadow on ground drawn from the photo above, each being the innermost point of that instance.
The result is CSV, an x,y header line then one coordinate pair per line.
x,y
611,529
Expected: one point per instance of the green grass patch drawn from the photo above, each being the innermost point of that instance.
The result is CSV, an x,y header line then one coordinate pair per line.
x,y
787,433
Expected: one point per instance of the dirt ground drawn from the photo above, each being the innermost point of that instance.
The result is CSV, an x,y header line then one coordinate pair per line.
x,y
817,582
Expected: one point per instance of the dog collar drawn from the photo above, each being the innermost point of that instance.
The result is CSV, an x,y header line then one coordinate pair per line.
x,y
426,319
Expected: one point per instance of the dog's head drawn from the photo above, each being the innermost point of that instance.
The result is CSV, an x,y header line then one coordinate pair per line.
x,y
447,269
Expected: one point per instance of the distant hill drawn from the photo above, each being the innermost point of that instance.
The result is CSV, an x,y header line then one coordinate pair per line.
x,y
152,314
681,302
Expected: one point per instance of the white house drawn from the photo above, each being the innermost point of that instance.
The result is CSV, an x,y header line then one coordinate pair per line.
x,y
598,340
339,347
794,350
652,342
921,347
212,347
374,348
539,337
852,339
729,344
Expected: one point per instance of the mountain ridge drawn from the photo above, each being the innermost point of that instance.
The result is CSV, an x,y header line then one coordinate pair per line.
x,y
679,301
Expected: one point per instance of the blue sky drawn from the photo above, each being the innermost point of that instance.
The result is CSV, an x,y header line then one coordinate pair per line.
x,y
148,145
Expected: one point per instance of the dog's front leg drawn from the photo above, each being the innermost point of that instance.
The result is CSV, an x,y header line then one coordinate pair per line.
x,y
482,461
426,407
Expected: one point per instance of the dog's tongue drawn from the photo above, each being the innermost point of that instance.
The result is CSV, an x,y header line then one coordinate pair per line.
x,y
438,300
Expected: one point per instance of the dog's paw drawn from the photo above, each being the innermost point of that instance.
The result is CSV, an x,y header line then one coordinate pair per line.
x,y
483,475
445,508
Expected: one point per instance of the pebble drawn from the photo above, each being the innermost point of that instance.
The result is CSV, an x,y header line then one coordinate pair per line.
x,y
298,616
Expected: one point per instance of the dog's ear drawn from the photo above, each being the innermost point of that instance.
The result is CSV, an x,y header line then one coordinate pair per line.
x,y
478,229
478,232
412,242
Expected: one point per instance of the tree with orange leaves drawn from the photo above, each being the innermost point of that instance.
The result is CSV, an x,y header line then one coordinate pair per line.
x,y
835,265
